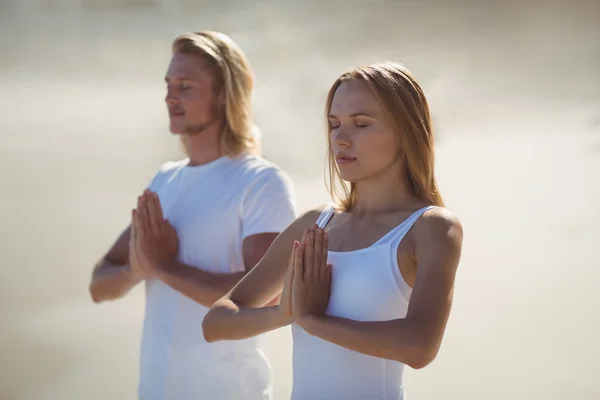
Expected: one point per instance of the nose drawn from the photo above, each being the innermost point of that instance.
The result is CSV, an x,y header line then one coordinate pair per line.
x,y
170,98
340,136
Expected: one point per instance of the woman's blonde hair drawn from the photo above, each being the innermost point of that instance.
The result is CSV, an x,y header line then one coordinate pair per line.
x,y
406,107
233,77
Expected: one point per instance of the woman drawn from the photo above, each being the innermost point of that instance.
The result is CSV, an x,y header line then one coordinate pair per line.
x,y
369,283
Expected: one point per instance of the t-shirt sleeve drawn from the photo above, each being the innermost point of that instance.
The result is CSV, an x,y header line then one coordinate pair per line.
x,y
269,205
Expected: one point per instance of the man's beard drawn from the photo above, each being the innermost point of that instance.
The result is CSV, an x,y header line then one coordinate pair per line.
x,y
199,128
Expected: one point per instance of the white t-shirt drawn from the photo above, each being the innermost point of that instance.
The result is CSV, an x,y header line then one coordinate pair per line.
x,y
213,207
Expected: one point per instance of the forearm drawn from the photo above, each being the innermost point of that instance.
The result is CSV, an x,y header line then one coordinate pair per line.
x,y
111,281
228,321
202,286
397,340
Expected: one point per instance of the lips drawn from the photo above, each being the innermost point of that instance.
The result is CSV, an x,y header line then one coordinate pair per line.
x,y
174,113
343,159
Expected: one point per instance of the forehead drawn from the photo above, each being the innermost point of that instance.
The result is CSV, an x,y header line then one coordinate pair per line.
x,y
187,66
354,97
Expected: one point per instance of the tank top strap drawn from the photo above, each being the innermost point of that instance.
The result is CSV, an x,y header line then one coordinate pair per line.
x,y
396,235
325,216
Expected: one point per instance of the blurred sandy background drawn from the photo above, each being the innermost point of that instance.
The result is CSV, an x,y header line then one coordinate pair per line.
x,y
515,93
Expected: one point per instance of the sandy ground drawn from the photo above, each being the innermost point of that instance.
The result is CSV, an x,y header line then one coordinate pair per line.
x,y
514,92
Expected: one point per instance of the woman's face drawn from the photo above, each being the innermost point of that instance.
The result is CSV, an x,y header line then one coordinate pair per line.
x,y
363,142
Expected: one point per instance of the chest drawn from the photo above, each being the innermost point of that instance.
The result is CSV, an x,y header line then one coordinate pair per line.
x,y
346,235
366,285
205,214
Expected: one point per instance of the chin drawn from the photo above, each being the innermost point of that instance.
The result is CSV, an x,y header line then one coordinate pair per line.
x,y
351,178
176,129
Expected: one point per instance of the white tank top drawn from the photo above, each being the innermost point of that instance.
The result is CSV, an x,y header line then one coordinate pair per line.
x,y
366,285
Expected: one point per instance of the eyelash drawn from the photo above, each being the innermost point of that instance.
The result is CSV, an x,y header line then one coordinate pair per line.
x,y
356,125
179,87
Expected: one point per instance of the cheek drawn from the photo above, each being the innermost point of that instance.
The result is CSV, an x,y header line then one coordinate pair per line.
x,y
197,106
376,149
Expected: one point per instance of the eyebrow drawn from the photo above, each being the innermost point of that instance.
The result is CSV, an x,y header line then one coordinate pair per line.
x,y
356,114
177,78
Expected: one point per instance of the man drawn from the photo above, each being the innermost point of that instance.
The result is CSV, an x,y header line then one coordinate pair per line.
x,y
214,215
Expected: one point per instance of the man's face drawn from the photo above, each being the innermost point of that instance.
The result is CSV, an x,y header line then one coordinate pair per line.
x,y
191,100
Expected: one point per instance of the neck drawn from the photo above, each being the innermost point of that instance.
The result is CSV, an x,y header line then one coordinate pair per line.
x,y
385,192
205,146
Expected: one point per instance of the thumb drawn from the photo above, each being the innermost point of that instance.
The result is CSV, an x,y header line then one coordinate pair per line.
x,y
170,230
289,276
290,273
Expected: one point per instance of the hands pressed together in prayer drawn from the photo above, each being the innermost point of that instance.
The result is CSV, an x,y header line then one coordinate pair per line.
x,y
153,246
153,241
308,279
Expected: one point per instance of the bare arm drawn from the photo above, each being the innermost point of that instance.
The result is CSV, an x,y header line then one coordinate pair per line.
x,y
207,287
112,277
414,340
239,315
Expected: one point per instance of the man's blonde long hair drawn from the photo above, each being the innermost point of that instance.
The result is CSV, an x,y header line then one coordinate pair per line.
x,y
234,78
406,107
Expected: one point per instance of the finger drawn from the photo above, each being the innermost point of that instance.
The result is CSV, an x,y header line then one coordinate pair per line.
x,y
293,253
317,255
309,249
154,214
132,230
132,226
169,228
139,213
164,225
304,235
140,232
298,267
300,245
290,270
144,228
304,238
324,251
135,223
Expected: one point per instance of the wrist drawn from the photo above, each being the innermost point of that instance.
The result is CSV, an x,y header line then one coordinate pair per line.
x,y
281,317
132,275
307,322
160,270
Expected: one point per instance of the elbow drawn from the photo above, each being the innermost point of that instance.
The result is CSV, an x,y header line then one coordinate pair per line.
x,y
208,338
208,328
95,294
212,324
99,292
206,332
423,353
420,361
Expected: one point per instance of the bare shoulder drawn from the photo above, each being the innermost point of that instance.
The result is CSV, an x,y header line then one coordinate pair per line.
x,y
440,232
307,219
440,221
